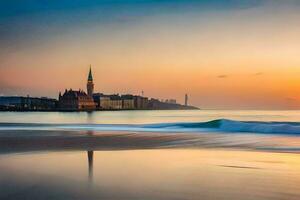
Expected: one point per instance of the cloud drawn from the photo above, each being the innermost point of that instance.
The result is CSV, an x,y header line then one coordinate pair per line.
x,y
258,74
290,99
226,75
222,76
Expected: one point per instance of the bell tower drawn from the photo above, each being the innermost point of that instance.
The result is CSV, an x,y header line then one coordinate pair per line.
x,y
90,84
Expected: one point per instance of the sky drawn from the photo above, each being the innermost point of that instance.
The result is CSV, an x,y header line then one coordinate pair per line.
x,y
226,54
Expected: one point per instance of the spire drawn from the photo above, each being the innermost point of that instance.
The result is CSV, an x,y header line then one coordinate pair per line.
x,y
90,84
90,77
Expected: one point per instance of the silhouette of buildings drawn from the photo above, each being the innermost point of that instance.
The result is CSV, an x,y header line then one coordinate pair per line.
x,y
108,102
18,103
171,101
155,104
140,102
79,100
118,102
73,100
127,102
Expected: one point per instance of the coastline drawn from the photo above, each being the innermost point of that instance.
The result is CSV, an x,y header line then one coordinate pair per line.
x,y
18,141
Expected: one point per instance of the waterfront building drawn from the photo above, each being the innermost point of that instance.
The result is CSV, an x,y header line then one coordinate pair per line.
x,y
13,102
115,102
20,103
140,102
107,102
101,101
154,104
96,97
73,100
127,102
79,100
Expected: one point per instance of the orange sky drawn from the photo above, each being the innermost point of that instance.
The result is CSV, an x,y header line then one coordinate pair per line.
x,y
239,58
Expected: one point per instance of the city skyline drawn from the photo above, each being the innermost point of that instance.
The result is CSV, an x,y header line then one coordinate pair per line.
x,y
224,54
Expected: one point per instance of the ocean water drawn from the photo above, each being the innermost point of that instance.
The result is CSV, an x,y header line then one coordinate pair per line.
x,y
283,122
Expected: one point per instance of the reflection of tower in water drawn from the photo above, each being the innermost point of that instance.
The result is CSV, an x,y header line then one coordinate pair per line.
x,y
90,161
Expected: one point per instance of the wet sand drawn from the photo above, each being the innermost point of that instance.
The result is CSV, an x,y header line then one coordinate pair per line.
x,y
42,164
14,141
160,174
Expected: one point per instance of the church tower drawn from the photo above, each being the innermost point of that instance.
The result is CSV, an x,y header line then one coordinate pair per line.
x,y
90,84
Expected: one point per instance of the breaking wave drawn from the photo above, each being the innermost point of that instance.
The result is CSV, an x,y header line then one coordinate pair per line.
x,y
224,125
220,125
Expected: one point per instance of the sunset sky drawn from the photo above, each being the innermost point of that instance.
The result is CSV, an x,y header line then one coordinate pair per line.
x,y
226,54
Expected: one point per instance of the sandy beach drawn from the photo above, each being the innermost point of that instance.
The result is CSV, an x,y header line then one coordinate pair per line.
x,y
208,174
43,164
15,141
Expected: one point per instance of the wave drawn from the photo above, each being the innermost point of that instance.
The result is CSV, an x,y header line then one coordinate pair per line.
x,y
220,125
225,125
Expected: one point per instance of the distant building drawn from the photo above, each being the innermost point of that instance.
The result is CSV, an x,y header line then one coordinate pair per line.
x,y
154,104
79,100
127,102
115,102
140,102
19,103
13,102
186,100
73,100
171,101
104,101
107,102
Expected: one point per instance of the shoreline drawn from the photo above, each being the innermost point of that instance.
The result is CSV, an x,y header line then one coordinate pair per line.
x,y
18,141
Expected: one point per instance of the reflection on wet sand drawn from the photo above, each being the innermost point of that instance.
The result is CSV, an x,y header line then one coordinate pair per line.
x,y
45,140
90,154
90,161
159,174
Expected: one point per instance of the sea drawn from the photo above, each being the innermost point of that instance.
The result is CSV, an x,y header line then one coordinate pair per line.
x,y
283,122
